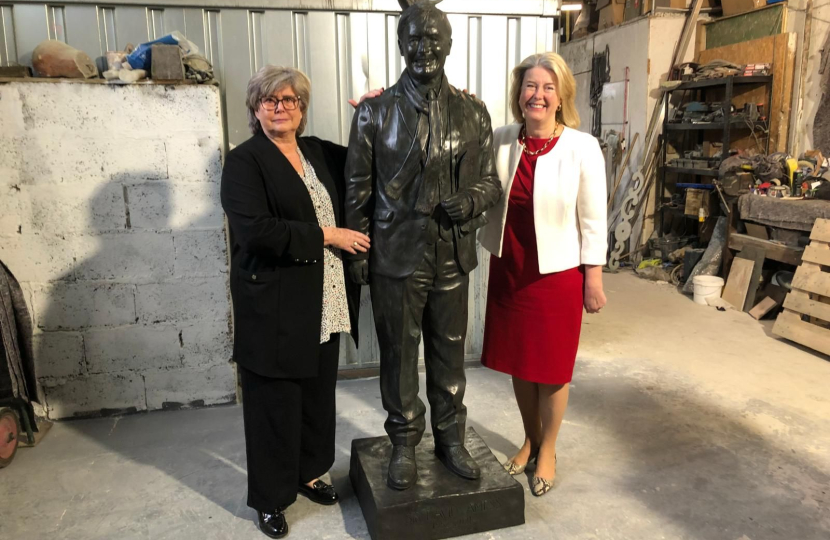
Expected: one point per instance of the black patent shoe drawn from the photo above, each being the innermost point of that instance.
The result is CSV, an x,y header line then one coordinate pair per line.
x,y
273,525
403,472
459,461
320,492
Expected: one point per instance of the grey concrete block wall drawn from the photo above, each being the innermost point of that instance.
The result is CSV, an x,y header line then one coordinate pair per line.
x,y
110,219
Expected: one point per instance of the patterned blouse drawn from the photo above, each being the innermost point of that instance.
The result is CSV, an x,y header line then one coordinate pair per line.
x,y
335,307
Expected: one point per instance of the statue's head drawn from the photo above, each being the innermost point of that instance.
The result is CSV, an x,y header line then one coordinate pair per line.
x,y
425,40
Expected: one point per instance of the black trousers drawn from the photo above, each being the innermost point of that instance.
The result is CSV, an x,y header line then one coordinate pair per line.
x,y
433,300
289,430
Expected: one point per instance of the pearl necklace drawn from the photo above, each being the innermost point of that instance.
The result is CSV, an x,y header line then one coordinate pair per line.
x,y
523,140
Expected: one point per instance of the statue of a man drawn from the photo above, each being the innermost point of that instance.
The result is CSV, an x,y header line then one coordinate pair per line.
x,y
420,173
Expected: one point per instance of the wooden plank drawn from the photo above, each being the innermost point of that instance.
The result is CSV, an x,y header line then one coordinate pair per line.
x,y
782,91
818,254
764,306
755,24
800,302
821,230
774,251
737,285
756,231
809,278
756,255
790,326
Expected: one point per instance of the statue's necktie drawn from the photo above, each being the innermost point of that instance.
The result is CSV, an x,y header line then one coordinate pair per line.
x,y
428,196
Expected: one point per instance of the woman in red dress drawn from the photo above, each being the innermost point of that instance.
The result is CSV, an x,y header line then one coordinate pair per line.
x,y
547,237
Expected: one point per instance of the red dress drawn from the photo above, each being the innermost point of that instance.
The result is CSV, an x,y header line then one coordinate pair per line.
x,y
533,320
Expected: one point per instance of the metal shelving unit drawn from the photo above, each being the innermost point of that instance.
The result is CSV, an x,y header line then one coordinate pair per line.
x,y
698,90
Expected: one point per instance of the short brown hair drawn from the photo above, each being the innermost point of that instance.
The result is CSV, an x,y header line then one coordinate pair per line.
x,y
271,79
566,86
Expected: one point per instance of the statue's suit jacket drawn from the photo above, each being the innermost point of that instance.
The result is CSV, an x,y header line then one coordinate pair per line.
x,y
383,146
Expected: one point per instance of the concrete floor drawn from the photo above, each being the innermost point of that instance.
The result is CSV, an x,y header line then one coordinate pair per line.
x,y
684,423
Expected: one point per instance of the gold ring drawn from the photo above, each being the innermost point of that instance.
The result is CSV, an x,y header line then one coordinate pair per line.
x,y
355,244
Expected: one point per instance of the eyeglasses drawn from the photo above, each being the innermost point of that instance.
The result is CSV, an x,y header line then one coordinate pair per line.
x,y
289,103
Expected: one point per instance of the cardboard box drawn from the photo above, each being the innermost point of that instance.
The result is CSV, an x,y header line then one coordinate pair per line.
x,y
734,7
611,15
697,199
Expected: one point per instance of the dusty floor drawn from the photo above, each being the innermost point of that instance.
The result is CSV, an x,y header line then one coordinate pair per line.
x,y
685,423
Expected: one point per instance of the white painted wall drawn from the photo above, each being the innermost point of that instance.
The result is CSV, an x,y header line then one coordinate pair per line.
x,y
110,219
645,46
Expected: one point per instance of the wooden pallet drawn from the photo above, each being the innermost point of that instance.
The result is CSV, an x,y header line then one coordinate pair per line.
x,y
806,315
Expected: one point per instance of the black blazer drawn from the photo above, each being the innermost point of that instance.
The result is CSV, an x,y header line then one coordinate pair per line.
x,y
277,254
383,147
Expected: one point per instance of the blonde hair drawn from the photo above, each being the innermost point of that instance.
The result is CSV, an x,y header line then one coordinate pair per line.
x,y
271,79
566,86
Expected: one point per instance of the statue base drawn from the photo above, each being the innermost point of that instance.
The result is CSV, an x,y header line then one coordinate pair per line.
x,y
441,504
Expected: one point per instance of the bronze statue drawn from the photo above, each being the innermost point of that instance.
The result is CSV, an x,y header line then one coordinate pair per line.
x,y
420,173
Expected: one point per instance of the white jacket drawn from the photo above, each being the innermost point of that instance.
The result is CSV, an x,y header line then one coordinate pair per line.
x,y
569,200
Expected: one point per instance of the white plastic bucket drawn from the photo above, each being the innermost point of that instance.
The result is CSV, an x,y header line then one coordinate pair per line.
x,y
706,286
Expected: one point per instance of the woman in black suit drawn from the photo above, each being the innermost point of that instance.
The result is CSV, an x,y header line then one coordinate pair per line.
x,y
283,197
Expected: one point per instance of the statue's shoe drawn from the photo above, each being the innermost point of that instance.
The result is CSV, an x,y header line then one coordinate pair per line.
x,y
403,471
459,461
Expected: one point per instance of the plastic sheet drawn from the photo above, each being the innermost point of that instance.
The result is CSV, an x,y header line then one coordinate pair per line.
x,y
141,57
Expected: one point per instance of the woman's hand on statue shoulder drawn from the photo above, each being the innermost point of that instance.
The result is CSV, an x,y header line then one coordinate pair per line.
x,y
370,94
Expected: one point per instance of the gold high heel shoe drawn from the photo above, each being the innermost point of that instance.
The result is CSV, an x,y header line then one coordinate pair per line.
x,y
539,486
513,469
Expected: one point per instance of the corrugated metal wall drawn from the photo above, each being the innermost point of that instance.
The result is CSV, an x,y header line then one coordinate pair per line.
x,y
343,52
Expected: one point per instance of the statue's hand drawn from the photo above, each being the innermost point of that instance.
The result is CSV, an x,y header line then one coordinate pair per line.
x,y
459,206
359,271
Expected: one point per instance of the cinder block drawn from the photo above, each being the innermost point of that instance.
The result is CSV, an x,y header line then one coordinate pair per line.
x,y
11,158
38,257
11,110
10,218
61,209
61,306
133,348
183,300
165,206
206,343
188,387
85,160
141,111
94,395
195,159
76,116
155,109
200,254
59,354
130,257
